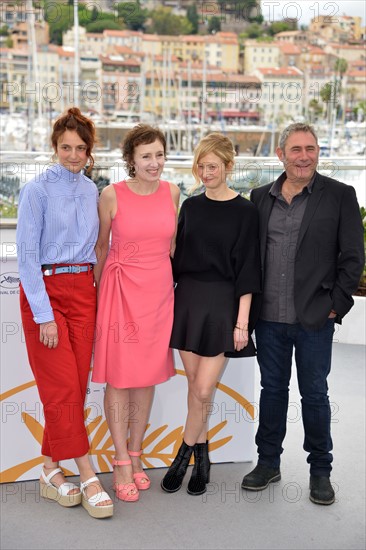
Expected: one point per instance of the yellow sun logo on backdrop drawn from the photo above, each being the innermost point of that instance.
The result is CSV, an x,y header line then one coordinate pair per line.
x,y
101,447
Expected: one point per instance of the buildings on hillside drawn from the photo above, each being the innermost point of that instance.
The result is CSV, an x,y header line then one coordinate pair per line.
x,y
131,75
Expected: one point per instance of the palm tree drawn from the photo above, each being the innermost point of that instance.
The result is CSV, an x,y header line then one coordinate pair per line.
x,y
329,94
340,67
350,97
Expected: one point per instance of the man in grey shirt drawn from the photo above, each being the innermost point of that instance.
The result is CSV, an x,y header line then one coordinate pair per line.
x,y
312,253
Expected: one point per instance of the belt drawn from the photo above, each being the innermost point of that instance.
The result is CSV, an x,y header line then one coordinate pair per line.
x,y
49,269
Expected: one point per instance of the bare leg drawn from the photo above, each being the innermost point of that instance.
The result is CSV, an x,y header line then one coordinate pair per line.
x,y
141,400
59,478
86,472
203,374
117,404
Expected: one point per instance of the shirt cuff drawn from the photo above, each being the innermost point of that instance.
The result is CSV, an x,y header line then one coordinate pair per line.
x,y
43,317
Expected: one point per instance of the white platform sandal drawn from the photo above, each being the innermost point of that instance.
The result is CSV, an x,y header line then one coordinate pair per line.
x,y
91,504
59,494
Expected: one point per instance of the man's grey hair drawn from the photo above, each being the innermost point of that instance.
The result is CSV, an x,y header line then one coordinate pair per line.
x,y
295,127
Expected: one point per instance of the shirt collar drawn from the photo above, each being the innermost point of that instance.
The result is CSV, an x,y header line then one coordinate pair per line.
x,y
59,172
276,187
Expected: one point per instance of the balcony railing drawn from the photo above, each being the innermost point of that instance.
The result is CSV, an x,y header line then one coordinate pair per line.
x,y
17,168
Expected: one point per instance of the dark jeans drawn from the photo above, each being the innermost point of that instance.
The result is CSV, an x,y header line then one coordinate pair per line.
x,y
313,351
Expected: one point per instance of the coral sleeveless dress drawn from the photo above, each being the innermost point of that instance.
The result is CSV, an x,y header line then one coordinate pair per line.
x,y
136,297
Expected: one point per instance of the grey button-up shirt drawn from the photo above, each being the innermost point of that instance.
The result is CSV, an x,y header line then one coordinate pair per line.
x,y
283,231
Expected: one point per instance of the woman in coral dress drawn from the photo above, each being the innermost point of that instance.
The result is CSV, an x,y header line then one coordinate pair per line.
x,y
135,299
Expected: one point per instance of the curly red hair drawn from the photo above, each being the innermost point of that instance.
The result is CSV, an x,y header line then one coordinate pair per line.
x,y
73,119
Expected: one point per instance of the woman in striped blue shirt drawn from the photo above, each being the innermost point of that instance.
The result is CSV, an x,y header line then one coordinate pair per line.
x,y
56,234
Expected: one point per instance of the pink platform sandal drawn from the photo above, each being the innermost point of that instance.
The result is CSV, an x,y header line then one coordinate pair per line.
x,y
123,490
141,479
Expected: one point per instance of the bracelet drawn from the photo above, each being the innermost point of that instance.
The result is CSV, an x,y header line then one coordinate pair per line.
x,y
245,327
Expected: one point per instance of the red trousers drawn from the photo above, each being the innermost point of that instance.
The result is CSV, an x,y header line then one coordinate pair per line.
x,y
61,373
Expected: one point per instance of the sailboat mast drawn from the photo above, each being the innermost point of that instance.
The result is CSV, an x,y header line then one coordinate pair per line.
x,y
189,140
142,87
203,103
76,54
33,73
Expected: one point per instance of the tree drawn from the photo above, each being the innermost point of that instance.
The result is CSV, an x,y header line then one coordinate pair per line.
x,y
243,9
315,109
87,17
60,18
95,12
329,93
340,66
281,26
214,24
254,30
163,21
4,30
103,24
350,97
132,14
60,24
193,18
360,108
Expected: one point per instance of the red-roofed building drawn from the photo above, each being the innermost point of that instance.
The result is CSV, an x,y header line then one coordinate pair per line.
x,y
120,82
290,54
90,43
313,56
221,49
354,84
349,52
131,39
295,37
20,34
260,54
340,28
282,93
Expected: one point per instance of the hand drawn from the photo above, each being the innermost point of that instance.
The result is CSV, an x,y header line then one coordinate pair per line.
x,y
241,338
48,334
332,314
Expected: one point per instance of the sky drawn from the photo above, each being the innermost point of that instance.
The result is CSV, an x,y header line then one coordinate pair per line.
x,y
305,10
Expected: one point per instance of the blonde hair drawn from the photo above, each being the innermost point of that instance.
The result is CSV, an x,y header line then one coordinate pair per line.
x,y
215,143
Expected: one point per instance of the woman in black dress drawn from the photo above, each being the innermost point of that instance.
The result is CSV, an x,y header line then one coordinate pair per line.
x,y
217,269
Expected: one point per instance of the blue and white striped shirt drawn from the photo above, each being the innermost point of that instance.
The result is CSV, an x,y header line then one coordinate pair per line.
x,y
57,223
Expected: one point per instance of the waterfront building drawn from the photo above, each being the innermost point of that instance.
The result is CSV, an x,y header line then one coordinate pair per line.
x,y
342,28
282,93
259,55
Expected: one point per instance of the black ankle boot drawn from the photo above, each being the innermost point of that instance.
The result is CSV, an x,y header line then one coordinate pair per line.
x,y
201,470
172,481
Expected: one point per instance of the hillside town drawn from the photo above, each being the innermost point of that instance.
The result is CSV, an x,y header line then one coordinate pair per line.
x,y
239,75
